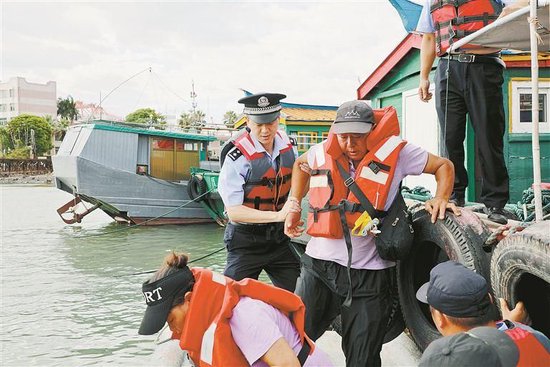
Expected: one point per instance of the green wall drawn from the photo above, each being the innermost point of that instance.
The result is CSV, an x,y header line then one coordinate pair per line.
x,y
517,147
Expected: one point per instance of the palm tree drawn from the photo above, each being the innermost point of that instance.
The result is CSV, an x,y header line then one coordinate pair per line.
x,y
66,109
229,118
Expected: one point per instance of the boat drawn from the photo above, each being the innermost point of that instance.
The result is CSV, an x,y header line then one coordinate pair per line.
x,y
134,173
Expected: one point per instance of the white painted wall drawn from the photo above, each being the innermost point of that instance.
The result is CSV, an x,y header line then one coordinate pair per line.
x,y
420,127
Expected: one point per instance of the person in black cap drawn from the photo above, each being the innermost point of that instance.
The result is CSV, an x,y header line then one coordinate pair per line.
x,y
342,272
221,322
254,184
480,347
459,301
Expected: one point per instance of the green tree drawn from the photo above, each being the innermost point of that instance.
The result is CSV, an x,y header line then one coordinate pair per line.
x,y
192,120
146,116
28,130
229,118
5,141
66,109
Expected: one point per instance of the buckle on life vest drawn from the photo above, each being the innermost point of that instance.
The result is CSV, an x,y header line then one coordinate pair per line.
x,y
349,181
374,167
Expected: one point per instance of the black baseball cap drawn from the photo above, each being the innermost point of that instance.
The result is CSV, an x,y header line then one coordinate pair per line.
x,y
479,347
262,108
456,291
160,295
353,117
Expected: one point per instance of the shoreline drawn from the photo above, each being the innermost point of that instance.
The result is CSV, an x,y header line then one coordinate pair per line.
x,y
26,179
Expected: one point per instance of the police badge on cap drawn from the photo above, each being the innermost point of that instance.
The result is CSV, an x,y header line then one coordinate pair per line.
x,y
262,108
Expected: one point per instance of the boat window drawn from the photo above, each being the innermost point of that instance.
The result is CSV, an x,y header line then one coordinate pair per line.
x,y
172,160
520,112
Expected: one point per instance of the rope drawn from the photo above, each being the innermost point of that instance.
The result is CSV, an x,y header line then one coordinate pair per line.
x,y
525,208
147,221
189,262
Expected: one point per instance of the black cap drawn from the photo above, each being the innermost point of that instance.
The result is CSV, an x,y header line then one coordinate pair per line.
x,y
480,347
456,291
353,117
262,108
159,296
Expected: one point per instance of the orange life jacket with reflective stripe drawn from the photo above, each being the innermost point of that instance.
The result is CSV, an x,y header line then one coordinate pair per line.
x,y
531,350
456,19
265,188
206,334
374,174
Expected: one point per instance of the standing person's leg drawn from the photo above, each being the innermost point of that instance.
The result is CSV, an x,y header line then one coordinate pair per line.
x,y
364,323
485,104
241,261
451,112
281,264
322,305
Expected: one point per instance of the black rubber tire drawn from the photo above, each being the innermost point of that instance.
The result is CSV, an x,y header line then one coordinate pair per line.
x,y
520,271
196,187
458,238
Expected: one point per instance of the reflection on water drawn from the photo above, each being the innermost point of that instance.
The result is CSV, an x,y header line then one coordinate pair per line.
x,y
68,296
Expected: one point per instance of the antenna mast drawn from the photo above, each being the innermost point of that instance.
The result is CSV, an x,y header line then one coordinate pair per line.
x,y
193,96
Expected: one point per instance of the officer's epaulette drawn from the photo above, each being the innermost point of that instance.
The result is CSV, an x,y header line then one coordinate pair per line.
x,y
234,153
292,141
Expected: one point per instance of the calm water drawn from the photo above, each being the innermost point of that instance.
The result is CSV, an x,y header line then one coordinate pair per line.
x,y
67,297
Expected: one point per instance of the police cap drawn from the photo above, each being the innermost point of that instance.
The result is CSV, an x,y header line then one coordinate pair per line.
x,y
262,108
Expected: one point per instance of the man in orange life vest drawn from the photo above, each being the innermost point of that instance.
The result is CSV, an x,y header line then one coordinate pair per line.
x,y
221,322
469,83
254,185
461,305
363,144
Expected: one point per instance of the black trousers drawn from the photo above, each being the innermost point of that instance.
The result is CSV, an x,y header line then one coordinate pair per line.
x,y
253,248
474,89
323,287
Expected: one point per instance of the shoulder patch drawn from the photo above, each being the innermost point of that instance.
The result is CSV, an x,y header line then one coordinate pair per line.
x,y
292,141
234,154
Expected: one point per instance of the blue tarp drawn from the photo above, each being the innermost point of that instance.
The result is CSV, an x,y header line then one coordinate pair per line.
x,y
409,13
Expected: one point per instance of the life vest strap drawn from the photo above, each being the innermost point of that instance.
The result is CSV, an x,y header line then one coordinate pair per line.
x,y
360,195
269,182
304,353
441,3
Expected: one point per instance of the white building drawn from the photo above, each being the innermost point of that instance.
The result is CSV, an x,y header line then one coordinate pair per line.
x,y
17,96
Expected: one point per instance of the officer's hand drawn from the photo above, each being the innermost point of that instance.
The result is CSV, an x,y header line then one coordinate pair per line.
x,y
424,90
518,314
437,206
293,225
291,206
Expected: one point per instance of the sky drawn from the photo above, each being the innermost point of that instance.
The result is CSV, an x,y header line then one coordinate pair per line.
x,y
314,52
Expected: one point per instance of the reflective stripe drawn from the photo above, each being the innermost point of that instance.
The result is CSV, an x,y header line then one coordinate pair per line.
x,y
247,146
218,278
319,154
381,177
207,346
318,181
389,146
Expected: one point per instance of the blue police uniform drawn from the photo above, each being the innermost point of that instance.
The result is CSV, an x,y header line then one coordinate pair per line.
x,y
252,247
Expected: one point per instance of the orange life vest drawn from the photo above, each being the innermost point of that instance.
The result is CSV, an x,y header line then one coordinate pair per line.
x,y
456,19
531,351
328,192
266,189
206,333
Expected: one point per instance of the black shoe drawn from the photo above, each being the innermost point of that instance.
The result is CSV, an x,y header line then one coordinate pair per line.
x,y
497,215
457,201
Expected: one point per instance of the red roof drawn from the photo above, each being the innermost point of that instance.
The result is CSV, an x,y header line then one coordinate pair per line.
x,y
409,42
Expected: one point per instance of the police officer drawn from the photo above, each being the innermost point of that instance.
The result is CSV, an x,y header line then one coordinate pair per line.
x,y
254,185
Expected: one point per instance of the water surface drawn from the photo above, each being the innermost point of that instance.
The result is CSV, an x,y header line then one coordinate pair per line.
x,y
67,296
